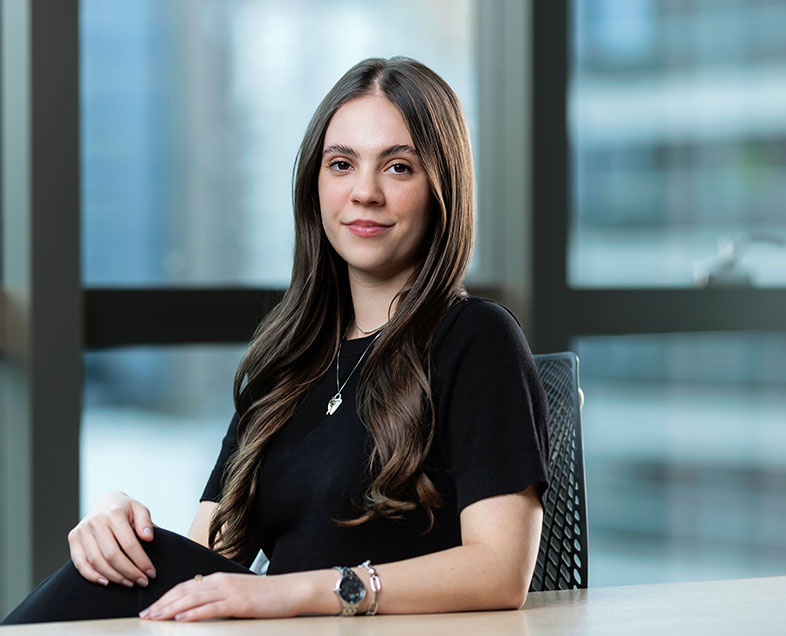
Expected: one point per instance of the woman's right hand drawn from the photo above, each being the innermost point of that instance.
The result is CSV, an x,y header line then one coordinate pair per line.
x,y
105,544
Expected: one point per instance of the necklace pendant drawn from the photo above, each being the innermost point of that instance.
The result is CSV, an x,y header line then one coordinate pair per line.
x,y
334,403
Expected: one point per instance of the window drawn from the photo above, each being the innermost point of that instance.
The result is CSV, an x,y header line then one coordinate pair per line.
x,y
678,144
684,445
192,114
152,425
668,276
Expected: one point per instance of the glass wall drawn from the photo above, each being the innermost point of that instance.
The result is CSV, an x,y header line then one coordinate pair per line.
x,y
193,111
685,440
678,180
152,426
679,143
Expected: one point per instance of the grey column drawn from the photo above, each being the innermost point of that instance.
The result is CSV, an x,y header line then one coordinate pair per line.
x,y
40,305
502,152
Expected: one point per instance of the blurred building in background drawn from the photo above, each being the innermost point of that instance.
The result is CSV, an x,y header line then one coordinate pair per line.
x,y
678,147
679,142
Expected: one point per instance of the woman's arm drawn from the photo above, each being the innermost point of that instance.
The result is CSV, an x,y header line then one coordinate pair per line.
x,y
490,570
201,525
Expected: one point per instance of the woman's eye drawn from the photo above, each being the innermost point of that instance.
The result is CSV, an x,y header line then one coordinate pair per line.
x,y
400,168
341,166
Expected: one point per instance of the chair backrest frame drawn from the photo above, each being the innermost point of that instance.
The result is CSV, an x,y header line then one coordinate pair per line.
x,y
563,553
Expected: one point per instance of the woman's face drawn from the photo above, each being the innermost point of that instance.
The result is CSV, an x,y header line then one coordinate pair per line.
x,y
373,191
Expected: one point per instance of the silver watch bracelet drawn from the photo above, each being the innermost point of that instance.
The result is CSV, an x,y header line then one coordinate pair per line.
x,y
376,586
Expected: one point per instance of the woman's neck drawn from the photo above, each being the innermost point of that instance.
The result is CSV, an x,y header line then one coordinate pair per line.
x,y
371,300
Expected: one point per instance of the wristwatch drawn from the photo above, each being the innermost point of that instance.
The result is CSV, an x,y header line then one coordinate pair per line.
x,y
350,590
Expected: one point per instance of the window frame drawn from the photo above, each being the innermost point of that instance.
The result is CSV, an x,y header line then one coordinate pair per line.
x,y
562,313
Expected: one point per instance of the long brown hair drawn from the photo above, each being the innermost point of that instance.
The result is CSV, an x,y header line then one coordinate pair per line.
x,y
296,344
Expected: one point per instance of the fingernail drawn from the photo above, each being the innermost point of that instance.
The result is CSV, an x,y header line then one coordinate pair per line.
x,y
127,583
181,616
103,581
144,612
151,573
147,531
156,614
141,581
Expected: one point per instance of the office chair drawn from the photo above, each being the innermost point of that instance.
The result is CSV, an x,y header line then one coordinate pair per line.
x,y
562,557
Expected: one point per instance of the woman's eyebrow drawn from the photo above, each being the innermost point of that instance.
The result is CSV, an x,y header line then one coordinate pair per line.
x,y
340,150
397,150
387,152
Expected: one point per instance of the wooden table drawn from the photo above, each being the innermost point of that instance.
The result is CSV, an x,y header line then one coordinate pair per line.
x,y
745,606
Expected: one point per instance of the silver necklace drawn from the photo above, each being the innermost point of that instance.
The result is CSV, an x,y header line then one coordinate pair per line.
x,y
371,330
335,401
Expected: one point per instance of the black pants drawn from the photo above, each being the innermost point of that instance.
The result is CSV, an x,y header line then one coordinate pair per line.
x,y
67,596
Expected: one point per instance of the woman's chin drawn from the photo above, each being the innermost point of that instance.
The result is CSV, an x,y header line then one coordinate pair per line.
x,y
379,271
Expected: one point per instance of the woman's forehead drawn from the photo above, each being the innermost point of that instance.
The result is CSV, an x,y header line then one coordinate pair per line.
x,y
369,123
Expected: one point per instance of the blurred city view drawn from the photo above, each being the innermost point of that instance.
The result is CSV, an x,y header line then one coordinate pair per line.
x,y
192,113
679,143
678,133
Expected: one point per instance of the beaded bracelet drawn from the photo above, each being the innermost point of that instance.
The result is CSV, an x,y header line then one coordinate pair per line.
x,y
376,586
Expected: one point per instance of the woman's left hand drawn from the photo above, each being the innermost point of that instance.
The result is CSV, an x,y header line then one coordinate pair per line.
x,y
223,595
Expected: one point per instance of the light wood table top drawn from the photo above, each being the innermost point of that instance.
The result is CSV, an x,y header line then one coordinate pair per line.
x,y
745,606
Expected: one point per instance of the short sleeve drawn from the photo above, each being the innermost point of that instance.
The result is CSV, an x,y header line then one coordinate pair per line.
x,y
212,490
491,411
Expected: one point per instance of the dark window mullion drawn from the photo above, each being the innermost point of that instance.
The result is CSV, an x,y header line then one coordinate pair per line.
x,y
159,316
628,311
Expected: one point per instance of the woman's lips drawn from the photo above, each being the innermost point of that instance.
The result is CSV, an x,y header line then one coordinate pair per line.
x,y
367,228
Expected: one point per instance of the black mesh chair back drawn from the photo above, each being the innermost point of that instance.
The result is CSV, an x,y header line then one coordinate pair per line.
x,y
562,558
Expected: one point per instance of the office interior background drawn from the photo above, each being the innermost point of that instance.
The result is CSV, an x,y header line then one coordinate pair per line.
x,y
631,160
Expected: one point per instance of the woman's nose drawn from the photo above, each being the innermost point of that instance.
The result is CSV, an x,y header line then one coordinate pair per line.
x,y
366,189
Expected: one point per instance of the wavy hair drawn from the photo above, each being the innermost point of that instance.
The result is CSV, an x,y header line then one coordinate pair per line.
x,y
297,342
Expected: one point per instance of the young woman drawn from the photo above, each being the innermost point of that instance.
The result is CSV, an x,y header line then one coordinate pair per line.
x,y
386,423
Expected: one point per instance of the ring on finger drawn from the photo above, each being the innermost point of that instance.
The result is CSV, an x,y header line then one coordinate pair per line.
x,y
198,578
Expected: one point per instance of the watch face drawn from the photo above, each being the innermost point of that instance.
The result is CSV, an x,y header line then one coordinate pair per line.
x,y
352,590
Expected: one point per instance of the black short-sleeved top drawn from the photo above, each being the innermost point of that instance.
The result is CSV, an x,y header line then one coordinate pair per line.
x,y
490,439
